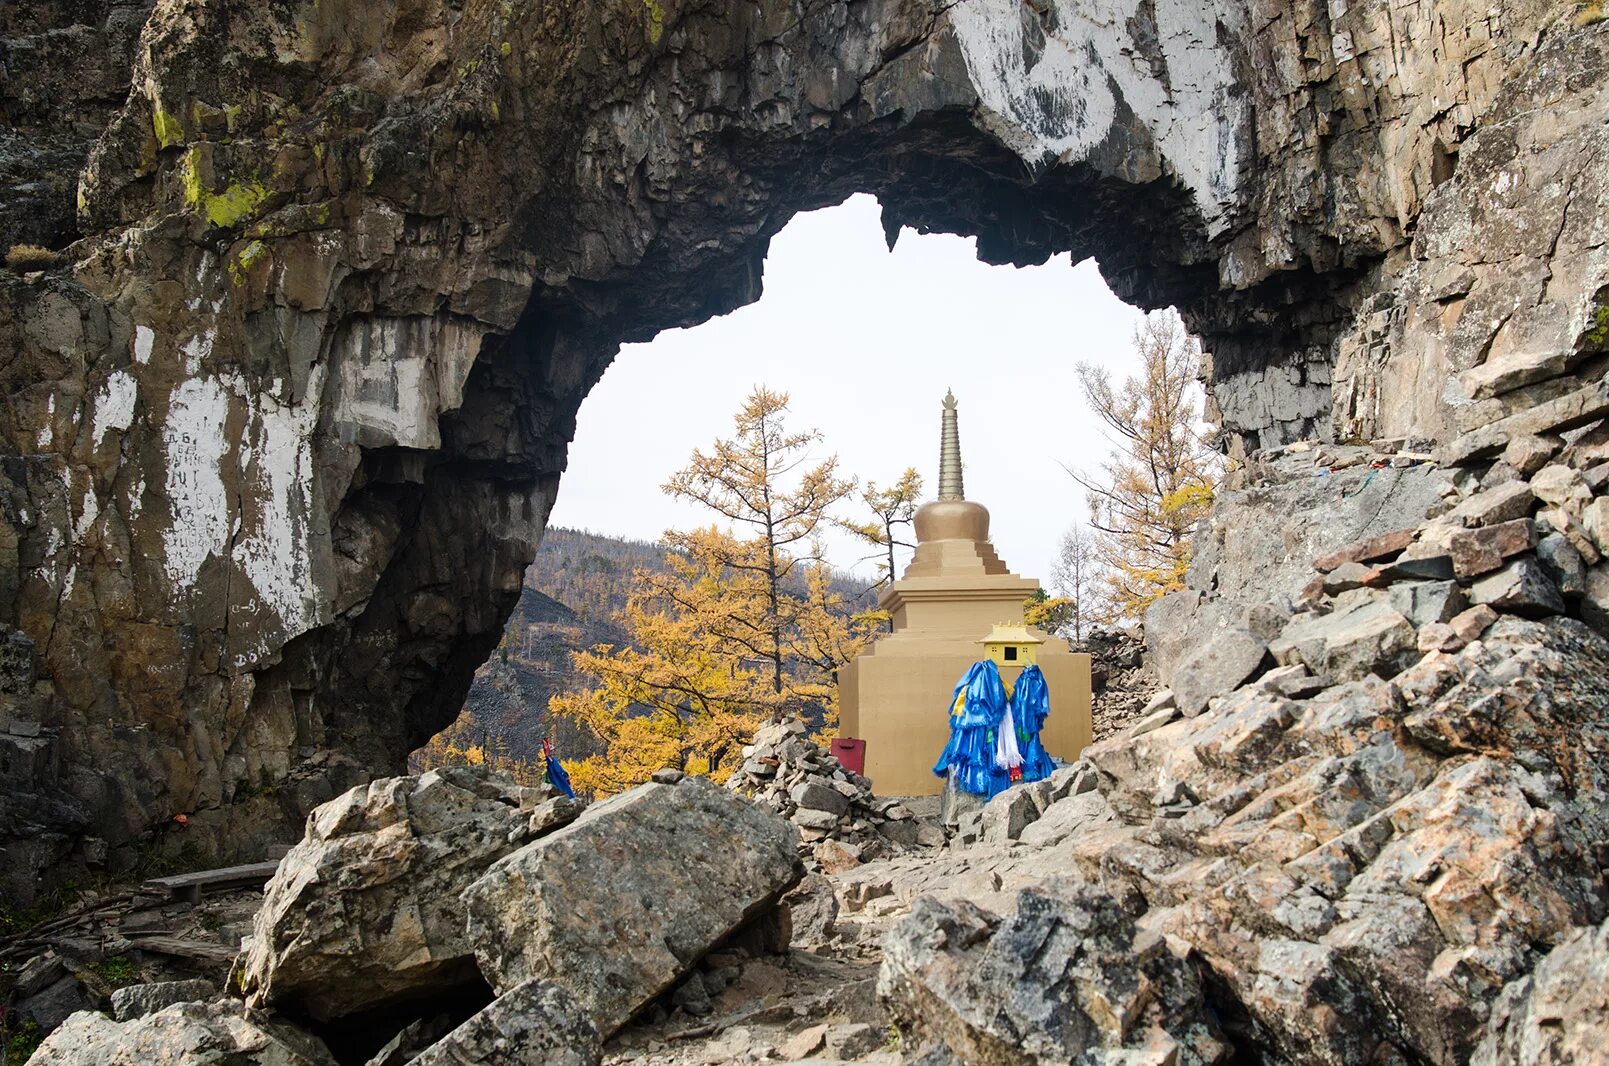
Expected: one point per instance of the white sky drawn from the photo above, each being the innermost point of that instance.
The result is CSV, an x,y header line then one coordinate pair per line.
x,y
866,341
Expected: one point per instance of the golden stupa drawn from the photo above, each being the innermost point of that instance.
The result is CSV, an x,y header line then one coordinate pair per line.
x,y
956,604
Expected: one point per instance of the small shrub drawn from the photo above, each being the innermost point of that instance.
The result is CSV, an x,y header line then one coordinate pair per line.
x,y
18,1040
31,257
117,971
1588,13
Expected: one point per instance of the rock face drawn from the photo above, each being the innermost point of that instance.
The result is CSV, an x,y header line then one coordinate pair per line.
x,y
366,910
183,1034
1066,978
1558,1014
626,899
283,437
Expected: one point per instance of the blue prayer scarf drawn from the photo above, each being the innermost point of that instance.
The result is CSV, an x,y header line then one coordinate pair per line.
x,y
977,705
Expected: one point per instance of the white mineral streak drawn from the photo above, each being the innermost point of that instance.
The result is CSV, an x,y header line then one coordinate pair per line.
x,y
144,339
195,351
394,377
195,444
275,551
1055,102
114,408
47,432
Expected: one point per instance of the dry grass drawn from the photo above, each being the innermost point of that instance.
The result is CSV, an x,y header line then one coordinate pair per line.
x,y
31,257
1588,13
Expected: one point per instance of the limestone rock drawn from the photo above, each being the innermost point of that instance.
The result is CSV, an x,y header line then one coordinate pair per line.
x,y
1559,1013
366,910
1365,637
186,1034
136,1001
1506,502
1225,661
536,1023
1066,978
1521,587
620,903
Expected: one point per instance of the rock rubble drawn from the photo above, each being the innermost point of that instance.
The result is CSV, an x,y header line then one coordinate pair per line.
x,y
841,822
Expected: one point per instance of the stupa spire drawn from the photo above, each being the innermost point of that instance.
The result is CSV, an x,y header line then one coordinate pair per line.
x,y
950,487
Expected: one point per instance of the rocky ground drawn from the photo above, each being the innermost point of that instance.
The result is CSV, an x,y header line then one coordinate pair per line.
x,y
1364,824
1122,684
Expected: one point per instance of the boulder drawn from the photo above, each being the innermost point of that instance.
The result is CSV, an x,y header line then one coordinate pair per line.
x,y
54,1003
1595,599
1558,520
1226,660
1595,517
817,796
812,909
1527,454
621,903
1563,564
1501,503
1006,815
185,1034
136,1001
1066,978
1066,817
365,909
1424,602
1480,551
1365,551
1365,637
536,1023
1561,486
1470,624
1521,587
1558,1014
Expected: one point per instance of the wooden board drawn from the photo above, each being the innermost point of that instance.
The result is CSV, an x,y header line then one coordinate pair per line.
x,y
184,949
193,885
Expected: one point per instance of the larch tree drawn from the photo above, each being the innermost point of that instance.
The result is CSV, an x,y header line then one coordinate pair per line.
x,y
764,482
1074,577
891,508
744,625
1157,485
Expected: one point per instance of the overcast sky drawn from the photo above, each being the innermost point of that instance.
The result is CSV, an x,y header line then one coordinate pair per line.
x,y
865,341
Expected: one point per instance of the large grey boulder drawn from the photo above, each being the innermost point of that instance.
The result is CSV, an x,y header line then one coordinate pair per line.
x,y
1363,636
1226,660
1067,978
621,903
136,1001
225,1033
366,910
1556,1015
533,1024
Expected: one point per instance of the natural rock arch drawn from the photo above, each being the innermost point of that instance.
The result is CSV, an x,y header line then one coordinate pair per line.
x,y
288,436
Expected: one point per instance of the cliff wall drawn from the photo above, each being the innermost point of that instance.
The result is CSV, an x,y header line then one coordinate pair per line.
x,y
282,438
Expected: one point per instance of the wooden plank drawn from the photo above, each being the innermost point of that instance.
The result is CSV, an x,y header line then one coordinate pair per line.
x,y
190,886
184,949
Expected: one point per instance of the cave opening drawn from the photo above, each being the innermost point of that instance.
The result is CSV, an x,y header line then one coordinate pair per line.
x,y
865,334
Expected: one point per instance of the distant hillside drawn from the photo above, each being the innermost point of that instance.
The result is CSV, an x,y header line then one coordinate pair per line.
x,y
573,590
